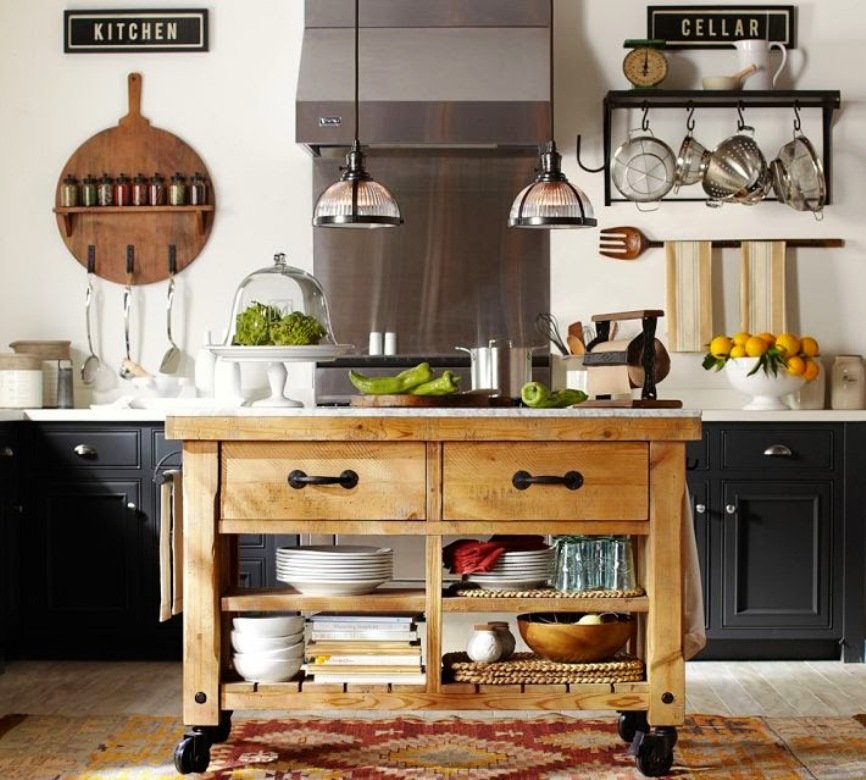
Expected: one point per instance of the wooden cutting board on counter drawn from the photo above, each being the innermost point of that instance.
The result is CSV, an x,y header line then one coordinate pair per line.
x,y
469,399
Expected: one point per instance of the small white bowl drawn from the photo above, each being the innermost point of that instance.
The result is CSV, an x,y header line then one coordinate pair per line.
x,y
277,654
766,390
243,642
728,83
267,670
269,625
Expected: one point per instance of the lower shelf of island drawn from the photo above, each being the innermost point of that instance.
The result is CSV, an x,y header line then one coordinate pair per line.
x,y
309,695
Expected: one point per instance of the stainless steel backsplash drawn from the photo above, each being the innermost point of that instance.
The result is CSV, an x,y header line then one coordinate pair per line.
x,y
454,273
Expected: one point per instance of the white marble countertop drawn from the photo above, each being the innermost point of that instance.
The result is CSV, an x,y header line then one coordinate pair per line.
x,y
109,414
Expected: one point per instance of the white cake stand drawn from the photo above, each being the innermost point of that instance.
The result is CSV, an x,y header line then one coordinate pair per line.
x,y
277,357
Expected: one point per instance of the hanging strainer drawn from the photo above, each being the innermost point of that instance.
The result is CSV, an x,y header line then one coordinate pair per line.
x,y
643,167
798,177
692,157
737,170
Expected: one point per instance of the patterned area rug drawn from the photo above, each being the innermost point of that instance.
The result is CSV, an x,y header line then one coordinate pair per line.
x,y
538,748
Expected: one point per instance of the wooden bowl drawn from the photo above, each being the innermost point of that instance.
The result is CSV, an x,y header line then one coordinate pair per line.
x,y
557,636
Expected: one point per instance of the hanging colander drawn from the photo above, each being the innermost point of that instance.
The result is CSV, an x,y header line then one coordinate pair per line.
x,y
798,177
643,167
737,170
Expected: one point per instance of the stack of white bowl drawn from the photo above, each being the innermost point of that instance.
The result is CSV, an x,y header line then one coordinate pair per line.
x,y
268,648
341,570
517,570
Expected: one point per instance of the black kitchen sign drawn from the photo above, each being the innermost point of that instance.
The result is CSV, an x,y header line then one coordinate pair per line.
x,y
143,30
719,26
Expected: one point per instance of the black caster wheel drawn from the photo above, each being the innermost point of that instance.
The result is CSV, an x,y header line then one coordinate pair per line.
x,y
220,733
630,722
192,753
655,756
669,733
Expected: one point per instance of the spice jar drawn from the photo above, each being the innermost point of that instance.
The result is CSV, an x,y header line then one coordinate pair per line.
x,y
122,190
105,191
197,190
88,191
156,194
177,190
139,191
484,645
69,192
506,638
848,383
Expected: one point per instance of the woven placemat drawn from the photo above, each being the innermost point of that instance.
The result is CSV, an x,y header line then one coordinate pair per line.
x,y
531,669
472,591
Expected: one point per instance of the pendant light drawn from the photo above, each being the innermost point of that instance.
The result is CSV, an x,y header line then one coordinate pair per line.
x,y
551,201
356,200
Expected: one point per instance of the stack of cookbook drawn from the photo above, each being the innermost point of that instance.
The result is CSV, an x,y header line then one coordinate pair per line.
x,y
353,648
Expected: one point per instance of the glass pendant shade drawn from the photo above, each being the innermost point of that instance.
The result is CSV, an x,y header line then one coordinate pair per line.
x,y
551,201
356,200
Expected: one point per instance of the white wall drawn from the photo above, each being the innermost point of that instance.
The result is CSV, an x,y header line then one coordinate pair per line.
x,y
235,106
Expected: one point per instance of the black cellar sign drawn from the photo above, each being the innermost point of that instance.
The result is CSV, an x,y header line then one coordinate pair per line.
x,y
718,26
143,30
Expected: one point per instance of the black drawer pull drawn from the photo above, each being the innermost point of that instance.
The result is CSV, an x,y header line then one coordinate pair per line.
x,y
299,479
85,451
778,451
523,479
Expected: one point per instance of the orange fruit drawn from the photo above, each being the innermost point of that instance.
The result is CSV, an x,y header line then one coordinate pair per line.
x,y
788,343
720,346
738,351
756,346
768,337
796,365
741,337
809,346
811,371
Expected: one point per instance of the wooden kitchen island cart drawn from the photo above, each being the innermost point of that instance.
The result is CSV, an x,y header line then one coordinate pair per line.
x,y
432,474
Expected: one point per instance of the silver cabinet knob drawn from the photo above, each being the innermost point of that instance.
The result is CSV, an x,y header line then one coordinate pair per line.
x,y
731,509
778,451
131,505
700,508
85,451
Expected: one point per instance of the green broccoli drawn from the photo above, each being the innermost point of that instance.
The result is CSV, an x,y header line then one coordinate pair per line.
x,y
296,329
252,326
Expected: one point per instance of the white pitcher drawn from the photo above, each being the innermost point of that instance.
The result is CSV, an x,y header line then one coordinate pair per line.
x,y
757,51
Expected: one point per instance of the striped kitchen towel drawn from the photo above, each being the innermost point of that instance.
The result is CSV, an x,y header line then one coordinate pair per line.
x,y
689,308
762,287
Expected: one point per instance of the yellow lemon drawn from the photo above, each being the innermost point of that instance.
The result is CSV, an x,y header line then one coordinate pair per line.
x,y
741,337
788,343
756,346
811,371
737,351
809,346
768,337
796,365
720,346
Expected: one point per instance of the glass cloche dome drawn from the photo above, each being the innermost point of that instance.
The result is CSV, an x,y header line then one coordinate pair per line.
x,y
264,299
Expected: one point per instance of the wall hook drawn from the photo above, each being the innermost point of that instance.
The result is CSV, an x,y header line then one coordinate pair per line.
x,y
690,119
796,117
644,122
580,163
741,123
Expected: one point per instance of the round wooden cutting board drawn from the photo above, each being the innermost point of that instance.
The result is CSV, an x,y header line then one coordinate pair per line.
x,y
133,147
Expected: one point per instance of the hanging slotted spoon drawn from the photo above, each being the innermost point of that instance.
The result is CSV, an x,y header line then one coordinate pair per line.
x,y
90,367
171,359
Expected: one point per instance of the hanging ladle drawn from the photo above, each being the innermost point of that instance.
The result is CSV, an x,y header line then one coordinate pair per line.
x,y
90,367
171,359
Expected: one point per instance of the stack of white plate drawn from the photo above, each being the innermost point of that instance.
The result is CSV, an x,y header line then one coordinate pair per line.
x,y
268,648
345,570
517,570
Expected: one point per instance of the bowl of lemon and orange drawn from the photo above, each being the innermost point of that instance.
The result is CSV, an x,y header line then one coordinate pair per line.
x,y
764,366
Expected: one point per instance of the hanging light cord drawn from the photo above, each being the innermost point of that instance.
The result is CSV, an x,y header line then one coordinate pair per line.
x,y
357,61
551,73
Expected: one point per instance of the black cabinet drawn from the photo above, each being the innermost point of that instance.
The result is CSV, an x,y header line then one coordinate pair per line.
x,y
9,510
88,582
775,547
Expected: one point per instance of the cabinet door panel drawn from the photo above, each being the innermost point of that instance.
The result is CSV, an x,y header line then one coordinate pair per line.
x,y
777,554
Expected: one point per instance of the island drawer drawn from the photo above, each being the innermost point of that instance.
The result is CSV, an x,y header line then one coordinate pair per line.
x,y
391,481
85,448
483,481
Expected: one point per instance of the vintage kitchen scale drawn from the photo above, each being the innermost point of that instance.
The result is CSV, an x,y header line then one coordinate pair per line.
x,y
616,367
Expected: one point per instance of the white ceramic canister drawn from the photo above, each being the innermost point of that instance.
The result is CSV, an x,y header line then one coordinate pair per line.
x,y
21,382
485,645
848,383
506,638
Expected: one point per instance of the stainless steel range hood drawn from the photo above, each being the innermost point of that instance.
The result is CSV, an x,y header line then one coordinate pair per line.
x,y
442,72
